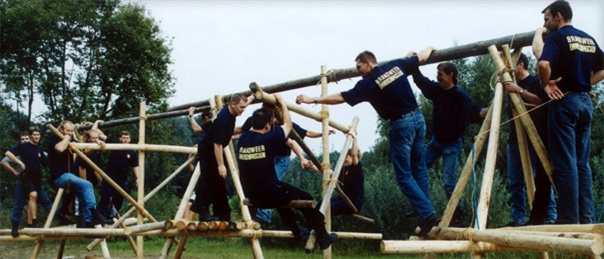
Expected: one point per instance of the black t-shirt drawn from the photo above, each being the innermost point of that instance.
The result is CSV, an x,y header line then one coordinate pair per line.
x,y
257,162
284,149
60,162
120,162
32,156
220,132
539,116
95,157
353,182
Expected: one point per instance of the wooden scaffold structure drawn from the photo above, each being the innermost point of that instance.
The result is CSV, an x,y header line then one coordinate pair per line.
x,y
582,239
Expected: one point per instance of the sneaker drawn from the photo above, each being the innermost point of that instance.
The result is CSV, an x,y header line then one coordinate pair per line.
x,y
327,240
426,225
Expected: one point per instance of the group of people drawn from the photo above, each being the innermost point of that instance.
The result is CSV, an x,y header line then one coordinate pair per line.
x,y
570,62
26,160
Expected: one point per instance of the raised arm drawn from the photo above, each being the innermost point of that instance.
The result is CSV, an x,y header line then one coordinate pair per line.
x,y
336,98
538,41
287,120
194,125
355,148
13,158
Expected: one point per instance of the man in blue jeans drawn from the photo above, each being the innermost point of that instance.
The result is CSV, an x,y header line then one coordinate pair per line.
x,y
20,196
571,62
529,89
63,173
451,109
387,89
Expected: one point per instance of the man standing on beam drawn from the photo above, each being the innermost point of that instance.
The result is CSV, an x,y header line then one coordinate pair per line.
x,y
387,89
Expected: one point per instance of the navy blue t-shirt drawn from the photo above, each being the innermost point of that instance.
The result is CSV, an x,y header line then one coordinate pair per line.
x,y
197,136
353,182
574,56
120,162
284,149
60,162
257,162
220,132
32,156
451,109
386,89
539,116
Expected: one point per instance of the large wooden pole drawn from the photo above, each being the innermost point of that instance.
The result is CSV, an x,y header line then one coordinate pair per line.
x,y
526,120
141,178
457,52
527,169
138,147
51,214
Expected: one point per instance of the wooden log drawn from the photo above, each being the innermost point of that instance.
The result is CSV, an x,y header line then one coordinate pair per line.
x,y
300,204
203,226
264,97
141,178
443,246
576,235
108,179
170,224
540,243
133,230
192,226
457,52
586,228
182,225
363,219
223,225
124,218
138,147
65,232
526,120
53,210
527,169
62,249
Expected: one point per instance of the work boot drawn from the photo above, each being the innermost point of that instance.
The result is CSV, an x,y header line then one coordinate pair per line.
x,y
326,240
15,230
457,220
63,219
426,225
79,221
97,218
34,224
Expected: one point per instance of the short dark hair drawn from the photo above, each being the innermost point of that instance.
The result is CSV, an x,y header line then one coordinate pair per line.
x,y
125,133
366,56
236,98
448,68
208,114
90,131
562,7
524,59
33,129
261,117
24,133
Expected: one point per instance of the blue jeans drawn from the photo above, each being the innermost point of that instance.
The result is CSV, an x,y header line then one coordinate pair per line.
x,y
450,154
407,136
517,186
281,166
82,189
21,198
569,121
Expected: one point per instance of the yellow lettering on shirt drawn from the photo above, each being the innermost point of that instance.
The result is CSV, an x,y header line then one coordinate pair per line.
x,y
581,44
252,153
389,77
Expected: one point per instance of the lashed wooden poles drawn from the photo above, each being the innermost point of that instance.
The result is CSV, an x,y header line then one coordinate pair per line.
x,y
525,159
138,147
526,120
262,96
325,167
51,214
457,52
141,177
121,191
147,197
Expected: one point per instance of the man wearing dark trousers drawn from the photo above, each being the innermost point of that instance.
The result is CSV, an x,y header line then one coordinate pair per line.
x,y
210,188
257,150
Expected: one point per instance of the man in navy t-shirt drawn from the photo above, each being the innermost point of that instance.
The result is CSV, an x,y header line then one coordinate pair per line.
x,y
387,89
257,150
118,168
210,188
571,62
63,172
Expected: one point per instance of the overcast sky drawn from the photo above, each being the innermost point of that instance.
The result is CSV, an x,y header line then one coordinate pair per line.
x,y
219,47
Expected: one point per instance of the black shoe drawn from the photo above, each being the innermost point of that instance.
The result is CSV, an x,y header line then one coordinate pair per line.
x,y
15,230
34,224
80,221
97,218
457,220
326,240
426,225
63,219
91,225
511,224
411,214
204,213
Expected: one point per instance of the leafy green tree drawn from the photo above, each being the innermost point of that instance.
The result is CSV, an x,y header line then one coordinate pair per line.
x,y
102,57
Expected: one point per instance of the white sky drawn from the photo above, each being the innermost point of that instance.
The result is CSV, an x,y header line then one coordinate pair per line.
x,y
219,47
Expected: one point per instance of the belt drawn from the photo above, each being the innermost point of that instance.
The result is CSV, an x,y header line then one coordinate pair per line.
x,y
410,113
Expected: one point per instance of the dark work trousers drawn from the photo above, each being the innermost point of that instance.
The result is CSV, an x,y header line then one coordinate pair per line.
x,y
210,189
109,196
543,186
284,194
